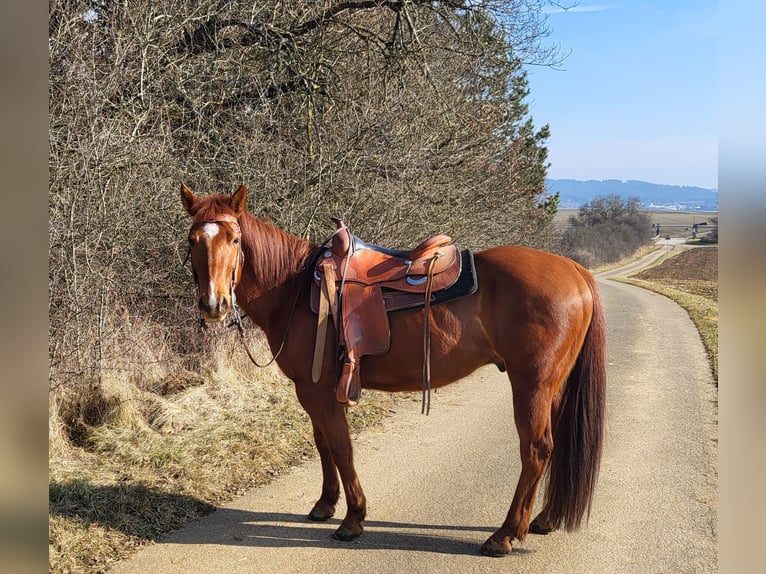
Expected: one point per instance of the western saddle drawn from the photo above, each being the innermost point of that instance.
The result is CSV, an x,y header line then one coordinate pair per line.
x,y
358,284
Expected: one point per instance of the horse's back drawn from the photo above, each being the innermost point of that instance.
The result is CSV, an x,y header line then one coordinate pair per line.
x,y
535,275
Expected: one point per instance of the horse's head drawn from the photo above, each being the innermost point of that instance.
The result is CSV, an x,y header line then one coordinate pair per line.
x,y
215,249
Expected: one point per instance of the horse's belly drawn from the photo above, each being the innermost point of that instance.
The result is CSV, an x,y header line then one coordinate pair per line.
x,y
458,346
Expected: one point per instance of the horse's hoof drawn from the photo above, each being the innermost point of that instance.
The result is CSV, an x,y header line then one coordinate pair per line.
x,y
319,514
496,549
346,535
541,526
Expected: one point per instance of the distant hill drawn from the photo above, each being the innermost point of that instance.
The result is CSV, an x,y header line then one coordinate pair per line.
x,y
574,193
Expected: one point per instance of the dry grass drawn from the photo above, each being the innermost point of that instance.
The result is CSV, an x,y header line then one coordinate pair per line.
x,y
646,250
156,461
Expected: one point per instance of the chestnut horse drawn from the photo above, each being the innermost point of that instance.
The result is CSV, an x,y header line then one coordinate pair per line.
x,y
535,315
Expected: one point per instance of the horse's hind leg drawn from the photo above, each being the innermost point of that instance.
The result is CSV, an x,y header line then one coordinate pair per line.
x,y
325,506
542,523
532,410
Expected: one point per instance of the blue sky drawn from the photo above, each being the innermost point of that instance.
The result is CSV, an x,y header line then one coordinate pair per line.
x,y
636,98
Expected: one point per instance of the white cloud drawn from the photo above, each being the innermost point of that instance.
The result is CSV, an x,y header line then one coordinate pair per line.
x,y
564,9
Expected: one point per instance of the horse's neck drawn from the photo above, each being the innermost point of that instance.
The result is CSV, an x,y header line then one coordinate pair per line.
x,y
272,269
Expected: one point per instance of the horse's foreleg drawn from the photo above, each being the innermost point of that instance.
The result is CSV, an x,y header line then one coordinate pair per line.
x,y
325,506
533,423
339,442
333,442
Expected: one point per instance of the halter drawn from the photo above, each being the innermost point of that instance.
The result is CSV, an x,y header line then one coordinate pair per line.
x,y
224,218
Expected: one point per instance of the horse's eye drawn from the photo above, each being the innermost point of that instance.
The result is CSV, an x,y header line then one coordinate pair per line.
x,y
191,241
235,241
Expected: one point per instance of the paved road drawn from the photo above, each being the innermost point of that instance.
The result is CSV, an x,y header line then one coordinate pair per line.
x,y
438,486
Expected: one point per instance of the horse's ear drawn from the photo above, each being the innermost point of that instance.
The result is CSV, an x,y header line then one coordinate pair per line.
x,y
188,198
239,200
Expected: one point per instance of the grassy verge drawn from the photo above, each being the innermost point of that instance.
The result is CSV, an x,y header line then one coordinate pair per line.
x,y
161,460
627,260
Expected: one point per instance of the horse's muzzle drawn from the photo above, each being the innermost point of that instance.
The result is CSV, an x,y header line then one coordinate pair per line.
x,y
214,310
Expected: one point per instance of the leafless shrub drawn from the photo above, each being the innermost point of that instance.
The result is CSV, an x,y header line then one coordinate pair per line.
x,y
404,118
606,230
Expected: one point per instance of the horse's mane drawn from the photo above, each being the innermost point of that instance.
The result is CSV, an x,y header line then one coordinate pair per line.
x,y
275,255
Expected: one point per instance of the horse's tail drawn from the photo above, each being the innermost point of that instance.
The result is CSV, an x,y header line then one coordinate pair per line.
x,y
578,435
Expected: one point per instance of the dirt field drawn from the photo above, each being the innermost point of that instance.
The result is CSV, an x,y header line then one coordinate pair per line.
x,y
672,223
690,278
670,218
694,271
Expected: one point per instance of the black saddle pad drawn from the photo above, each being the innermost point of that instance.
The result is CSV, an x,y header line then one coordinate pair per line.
x,y
466,284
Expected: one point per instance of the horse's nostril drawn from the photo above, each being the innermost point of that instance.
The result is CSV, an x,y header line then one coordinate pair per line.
x,y
224,305
203,306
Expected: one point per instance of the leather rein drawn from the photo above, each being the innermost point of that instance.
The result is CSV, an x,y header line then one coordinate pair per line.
x,y
234,307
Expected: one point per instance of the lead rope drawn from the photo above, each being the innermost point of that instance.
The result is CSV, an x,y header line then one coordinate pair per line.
x,y
240,328
238,317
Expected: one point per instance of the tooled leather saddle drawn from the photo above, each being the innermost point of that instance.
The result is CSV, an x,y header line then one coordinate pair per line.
x,y
358,284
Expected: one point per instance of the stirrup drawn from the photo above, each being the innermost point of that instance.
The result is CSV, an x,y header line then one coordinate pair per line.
x,y
349,387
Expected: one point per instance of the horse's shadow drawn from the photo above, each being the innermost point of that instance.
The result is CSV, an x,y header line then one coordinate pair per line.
x,y
236,527
283,530
132,508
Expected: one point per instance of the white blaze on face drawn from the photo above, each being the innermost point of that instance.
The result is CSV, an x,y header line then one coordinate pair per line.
x,y
212,301
210,230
